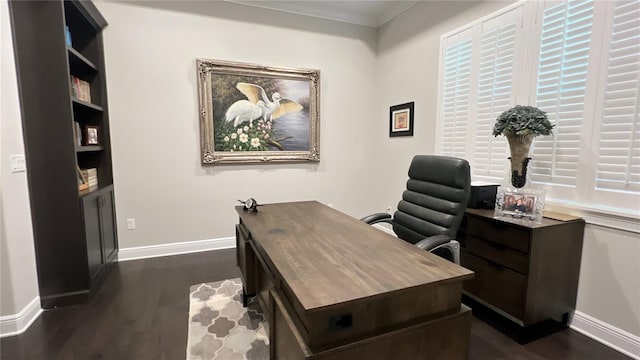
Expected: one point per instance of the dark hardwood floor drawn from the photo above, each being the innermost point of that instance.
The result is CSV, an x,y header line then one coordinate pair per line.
x,y
141,313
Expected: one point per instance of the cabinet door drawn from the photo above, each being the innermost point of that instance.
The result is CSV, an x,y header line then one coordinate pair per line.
x,y
91,212
108,223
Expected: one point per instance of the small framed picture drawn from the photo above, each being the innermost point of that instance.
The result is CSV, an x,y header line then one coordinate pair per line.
x,y
524,204
91,135
401,120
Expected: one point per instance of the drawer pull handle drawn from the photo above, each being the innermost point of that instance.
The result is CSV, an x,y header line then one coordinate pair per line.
x,y
495,265
339,322
497,246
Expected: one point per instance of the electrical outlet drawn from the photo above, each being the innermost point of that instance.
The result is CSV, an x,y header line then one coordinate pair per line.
x,y
18,164
388,209
131,224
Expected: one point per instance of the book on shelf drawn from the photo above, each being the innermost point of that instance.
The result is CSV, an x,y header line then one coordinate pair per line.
x,y
77,134
90,172
91,175
67,36
74,87
80,89
82,180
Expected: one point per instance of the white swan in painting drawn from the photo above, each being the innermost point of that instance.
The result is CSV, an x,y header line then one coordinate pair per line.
x,y
275,107
242,111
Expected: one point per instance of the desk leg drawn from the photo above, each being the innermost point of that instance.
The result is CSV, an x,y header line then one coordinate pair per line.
x,y
245,297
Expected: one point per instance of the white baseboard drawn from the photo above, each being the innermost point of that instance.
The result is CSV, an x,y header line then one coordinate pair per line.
x,y
607,334
143,252
386,228
17,324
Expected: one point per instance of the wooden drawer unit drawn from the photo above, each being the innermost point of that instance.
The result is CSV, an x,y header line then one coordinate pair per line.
x,y
246,260
496,232
437,338
354,320
496,284
525,271
499,254
265,281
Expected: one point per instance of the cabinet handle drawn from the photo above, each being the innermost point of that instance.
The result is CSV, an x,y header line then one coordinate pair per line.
x,y
495,265
100,201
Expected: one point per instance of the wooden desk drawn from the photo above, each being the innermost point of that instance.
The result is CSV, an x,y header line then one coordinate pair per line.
x,y
334,287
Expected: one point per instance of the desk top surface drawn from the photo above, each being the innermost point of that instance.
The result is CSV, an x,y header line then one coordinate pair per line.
x,y
327,257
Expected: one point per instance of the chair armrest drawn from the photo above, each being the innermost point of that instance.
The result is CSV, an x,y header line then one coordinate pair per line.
x,y
432,241
377,218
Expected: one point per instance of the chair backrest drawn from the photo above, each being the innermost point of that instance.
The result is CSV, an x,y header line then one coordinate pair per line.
x,y
435,199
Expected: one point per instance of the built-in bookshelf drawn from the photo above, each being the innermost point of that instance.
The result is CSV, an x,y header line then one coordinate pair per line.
x,y
60,66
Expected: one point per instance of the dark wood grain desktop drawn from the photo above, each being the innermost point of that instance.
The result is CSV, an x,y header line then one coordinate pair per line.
x,y
334,287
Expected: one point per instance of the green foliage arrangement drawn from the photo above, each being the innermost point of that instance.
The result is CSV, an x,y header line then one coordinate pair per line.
x,y
522,121
250,137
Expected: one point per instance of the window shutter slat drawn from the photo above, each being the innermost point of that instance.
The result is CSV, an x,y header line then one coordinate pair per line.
x,y
498,43
456,86
618,161
561,87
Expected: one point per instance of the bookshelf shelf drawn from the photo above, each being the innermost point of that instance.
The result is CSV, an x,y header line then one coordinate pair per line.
x,y
87,148
73,259
89,191
85,104
94,190
79,64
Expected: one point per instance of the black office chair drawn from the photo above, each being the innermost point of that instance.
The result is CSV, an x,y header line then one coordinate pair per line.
x,y
432,207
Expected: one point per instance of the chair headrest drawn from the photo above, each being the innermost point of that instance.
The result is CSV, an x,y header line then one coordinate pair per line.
x,y
445,170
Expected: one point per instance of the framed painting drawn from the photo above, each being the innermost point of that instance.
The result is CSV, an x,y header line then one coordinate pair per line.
x,y
523,204
257,114
401,120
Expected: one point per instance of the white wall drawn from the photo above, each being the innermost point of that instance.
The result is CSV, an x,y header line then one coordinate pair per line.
x,y
407,70
610,277
150,58
18,279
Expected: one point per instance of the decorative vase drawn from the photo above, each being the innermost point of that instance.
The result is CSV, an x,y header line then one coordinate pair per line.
x,y
519,146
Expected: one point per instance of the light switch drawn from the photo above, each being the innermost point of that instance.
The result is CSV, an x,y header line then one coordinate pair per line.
x,y
18,164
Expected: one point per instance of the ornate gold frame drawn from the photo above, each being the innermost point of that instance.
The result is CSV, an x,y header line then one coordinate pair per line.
x,y
206,67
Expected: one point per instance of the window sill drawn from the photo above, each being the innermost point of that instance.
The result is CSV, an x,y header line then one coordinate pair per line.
x,y
611,218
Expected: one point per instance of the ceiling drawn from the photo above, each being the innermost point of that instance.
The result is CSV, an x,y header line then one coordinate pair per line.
x,y
361,12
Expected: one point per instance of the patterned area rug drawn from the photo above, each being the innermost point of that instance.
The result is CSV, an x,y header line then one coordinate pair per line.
x,y
220,328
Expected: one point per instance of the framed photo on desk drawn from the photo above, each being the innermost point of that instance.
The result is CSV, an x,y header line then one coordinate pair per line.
x,y
522,204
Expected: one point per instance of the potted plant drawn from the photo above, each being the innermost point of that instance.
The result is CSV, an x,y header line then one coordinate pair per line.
x,y
520,125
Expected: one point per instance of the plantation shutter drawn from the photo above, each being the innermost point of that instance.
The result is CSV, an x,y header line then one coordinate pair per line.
x,y
455,94
495,86
618,160
561,89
